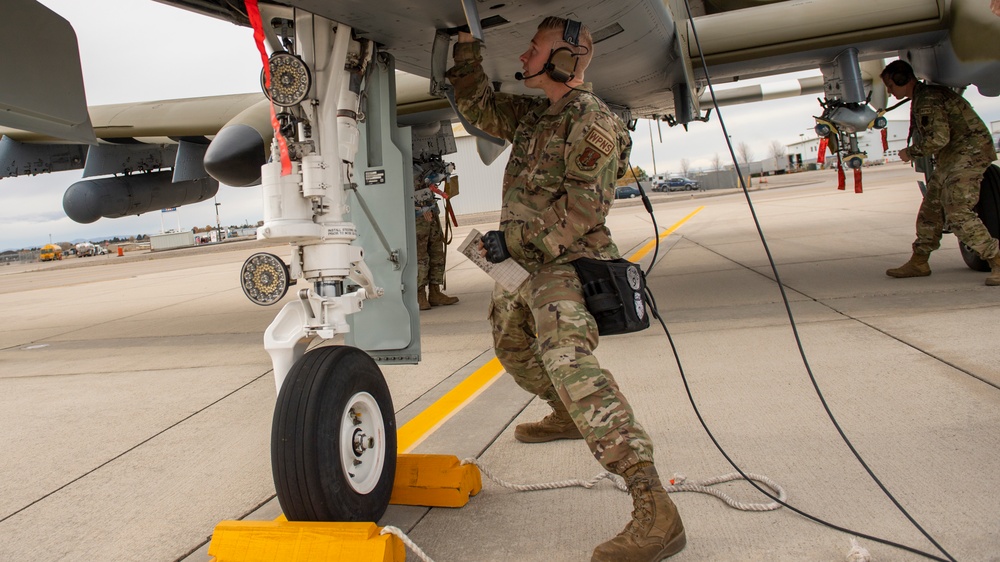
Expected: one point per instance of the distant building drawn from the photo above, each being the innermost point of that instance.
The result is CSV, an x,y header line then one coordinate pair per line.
x,y
479,185
803,155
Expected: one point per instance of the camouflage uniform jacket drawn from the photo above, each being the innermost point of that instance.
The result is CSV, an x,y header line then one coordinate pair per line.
x,y
948,128
560,180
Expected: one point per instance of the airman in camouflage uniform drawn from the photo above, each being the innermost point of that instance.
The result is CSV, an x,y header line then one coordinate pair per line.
x,y
945,126
568,150
430,235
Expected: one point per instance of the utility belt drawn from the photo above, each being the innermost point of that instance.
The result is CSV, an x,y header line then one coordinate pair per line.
x,y
614,292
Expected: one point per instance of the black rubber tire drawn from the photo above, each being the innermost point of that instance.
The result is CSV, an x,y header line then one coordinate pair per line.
x,y
306,461
988,210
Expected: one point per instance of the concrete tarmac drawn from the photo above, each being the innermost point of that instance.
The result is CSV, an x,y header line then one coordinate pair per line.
x,y
136,396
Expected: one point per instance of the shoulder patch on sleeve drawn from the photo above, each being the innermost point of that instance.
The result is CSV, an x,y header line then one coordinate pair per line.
x,y
600,139
588,159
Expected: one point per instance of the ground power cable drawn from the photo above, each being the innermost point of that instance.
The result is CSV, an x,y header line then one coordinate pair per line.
x,y
801,350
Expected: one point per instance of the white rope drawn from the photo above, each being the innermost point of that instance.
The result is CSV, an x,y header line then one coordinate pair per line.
x,y
616,480
390,530
678,484
703,487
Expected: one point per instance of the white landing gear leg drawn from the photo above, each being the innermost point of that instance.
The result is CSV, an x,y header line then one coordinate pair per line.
x,y
333,447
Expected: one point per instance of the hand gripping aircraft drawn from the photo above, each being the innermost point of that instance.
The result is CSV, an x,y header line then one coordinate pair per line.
x,y
337,182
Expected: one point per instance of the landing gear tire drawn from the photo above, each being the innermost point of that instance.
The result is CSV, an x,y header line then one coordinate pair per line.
x,y
988,210
333,440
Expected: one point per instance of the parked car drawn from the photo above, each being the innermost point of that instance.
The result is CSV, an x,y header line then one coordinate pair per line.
x,y
679,184
626,192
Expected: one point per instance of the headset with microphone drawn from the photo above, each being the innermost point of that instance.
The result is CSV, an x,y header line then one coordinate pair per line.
x,y
562,62
900,73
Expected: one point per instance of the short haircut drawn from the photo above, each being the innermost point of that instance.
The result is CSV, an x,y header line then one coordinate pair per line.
x,y
585,50
899,72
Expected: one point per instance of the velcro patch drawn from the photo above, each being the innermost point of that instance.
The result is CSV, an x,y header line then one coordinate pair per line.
x,y
587,161
600,140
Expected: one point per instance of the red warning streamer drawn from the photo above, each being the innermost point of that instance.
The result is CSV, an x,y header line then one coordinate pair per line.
x,y
447,203
857,180
841,179
253,12
821,157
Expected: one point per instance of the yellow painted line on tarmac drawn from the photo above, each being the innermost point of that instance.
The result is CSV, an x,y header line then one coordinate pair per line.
x,y
425,423
641,252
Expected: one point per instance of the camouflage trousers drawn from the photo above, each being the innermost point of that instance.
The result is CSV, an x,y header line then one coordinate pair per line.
x,y
951,194
544,337
430,251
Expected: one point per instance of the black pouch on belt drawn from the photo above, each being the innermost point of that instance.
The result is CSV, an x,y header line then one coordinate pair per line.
x,y
614,291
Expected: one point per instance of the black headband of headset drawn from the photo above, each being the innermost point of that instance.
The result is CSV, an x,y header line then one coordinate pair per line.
x,y
571,34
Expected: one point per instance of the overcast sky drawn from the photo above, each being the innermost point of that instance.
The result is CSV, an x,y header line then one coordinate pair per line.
x,y
136,50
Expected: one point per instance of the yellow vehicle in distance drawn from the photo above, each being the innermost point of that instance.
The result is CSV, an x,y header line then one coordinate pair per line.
x,y
50,252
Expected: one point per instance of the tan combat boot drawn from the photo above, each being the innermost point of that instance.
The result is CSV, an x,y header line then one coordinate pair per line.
x,y
437,298
655,531
994,279
557,425
916,267
422,298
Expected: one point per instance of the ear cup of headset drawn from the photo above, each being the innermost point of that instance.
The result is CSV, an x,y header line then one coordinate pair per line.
x,y
562,65
900,79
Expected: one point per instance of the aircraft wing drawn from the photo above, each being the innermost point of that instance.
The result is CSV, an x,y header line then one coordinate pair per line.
x,y
647,51
642,46
648,63
170,153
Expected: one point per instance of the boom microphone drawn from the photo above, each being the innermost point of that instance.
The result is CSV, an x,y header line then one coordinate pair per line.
x,y
521,76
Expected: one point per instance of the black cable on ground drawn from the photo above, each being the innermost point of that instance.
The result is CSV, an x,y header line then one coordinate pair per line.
x,y
802,354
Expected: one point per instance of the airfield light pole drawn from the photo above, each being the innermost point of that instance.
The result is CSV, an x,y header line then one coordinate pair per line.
x,y
218,223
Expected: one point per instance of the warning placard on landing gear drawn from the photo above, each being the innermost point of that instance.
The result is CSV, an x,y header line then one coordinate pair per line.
x,y
374,176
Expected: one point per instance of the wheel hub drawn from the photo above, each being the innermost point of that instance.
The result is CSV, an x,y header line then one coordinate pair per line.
x,y
359,441
362,443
